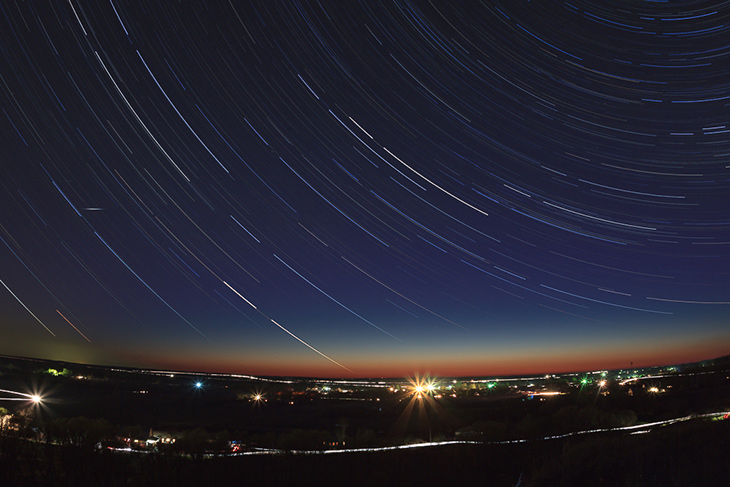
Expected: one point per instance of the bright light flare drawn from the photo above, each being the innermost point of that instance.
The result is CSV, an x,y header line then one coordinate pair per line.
x,y
422,387
257,398
34,398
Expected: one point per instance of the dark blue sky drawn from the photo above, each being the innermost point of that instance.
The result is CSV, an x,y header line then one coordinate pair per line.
x,y
337,188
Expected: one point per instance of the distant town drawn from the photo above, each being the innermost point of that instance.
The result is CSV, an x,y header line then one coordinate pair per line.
x,y
102,411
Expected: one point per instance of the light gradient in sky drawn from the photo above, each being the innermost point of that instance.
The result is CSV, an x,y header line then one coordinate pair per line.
x,y
362,189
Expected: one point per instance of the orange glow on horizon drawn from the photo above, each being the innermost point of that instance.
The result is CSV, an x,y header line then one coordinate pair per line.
x,y
447,363
444,367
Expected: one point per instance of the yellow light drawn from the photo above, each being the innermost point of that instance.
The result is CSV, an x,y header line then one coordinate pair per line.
x,y
35,398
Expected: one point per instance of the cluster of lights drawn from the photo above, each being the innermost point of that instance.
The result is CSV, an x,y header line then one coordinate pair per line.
x,y
423,387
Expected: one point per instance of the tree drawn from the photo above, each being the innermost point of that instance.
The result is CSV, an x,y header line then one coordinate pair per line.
x,y
365,438
79,431
4,419
299,439
195,442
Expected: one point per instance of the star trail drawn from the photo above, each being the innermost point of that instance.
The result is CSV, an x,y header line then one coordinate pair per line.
x,y
365,189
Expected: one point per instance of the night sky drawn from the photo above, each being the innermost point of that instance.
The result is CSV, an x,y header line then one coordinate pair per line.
x,y
365,189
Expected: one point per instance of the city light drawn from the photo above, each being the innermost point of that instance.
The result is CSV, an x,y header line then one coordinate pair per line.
x,y
423,386
257,397
34,398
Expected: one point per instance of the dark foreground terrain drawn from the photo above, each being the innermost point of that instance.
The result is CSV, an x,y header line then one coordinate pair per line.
x,y
688,454
97,426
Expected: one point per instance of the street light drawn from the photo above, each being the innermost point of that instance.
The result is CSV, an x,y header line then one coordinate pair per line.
x,y
34,398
